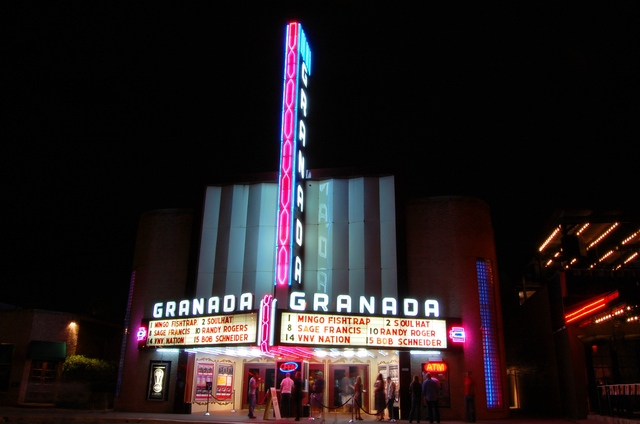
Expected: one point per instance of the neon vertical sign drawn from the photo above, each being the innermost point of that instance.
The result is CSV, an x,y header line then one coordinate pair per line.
x,y
291,174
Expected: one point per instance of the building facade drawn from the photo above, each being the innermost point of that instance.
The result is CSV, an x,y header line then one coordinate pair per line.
x,y
385,288
312,272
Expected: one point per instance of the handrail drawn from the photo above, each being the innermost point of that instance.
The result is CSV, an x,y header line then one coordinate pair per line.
x,y
620,389
620,399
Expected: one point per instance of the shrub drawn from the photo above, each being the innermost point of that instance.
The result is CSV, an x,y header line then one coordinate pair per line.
x,y
77,368
86,380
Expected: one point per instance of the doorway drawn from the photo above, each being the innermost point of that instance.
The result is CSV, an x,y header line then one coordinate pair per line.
x,y
341,381
42,381
266,376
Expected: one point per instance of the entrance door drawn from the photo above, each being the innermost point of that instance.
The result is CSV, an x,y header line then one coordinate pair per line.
x,y
42,381
265,374
341,381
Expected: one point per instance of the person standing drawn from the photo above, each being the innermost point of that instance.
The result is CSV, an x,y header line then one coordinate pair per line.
x,y
391,398
318,392
286,386
346,391
297,393
378,397
430,391
415,388
357,397
252,395
469,398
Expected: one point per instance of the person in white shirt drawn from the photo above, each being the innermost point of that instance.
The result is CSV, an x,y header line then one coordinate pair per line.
x,y
286,386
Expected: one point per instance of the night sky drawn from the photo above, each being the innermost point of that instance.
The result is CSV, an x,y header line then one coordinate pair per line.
x,y
110,110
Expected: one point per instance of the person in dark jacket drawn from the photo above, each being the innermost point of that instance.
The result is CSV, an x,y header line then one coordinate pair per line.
x,y
379,397
318,394
430,389
297,393
415,388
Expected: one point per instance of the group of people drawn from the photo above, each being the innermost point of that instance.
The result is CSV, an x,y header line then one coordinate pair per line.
x,y
316,394
428,392
290,391
385,395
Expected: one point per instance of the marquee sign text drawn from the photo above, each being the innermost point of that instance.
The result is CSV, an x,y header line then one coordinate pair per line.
x,y
300,302
238,329
362,331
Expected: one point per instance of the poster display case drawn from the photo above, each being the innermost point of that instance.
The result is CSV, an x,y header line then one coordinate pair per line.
x,y
213,382
224,382
204,375
158,385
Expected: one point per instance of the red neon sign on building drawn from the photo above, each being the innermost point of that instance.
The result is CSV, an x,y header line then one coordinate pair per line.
x,y
590,307
435,367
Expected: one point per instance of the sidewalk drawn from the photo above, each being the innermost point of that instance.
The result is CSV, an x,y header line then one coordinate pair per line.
x,y
63,416
60,416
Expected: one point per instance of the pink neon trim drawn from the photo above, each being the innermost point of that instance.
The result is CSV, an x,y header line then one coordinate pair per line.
x,y
283,250
142,334
265,323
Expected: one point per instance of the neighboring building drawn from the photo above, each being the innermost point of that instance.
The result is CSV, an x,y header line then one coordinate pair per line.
x,y
583,288
34,344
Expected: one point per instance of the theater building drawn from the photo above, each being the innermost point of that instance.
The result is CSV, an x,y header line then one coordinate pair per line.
x,y
312,270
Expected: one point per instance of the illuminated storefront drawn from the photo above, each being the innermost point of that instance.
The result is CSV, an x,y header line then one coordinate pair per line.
x,y
302,272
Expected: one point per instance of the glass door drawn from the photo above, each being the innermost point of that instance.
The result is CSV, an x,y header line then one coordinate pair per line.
x,y
265,374
42,382
342,378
